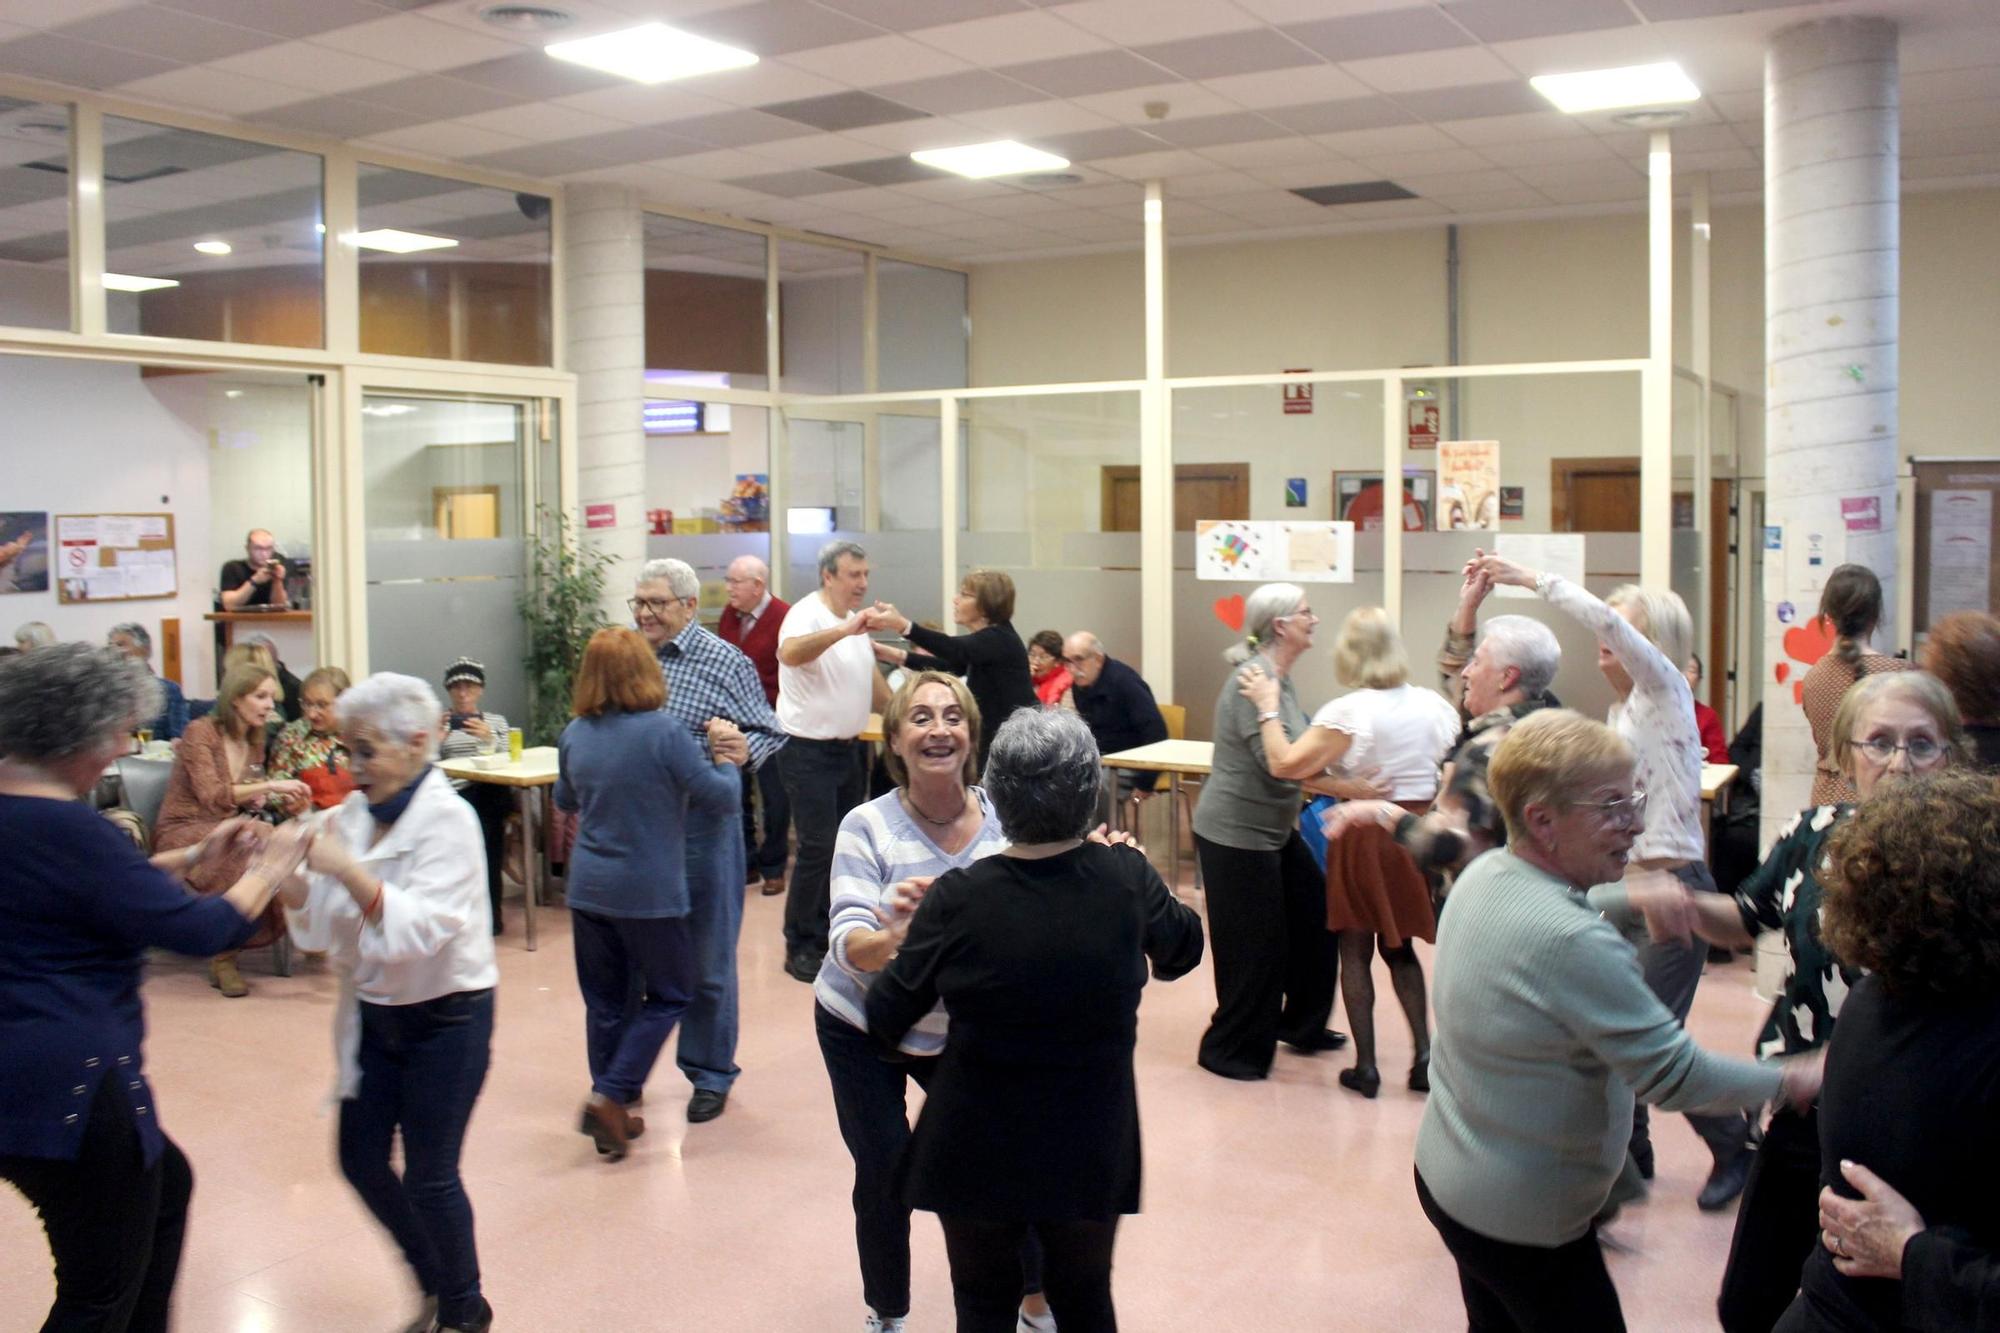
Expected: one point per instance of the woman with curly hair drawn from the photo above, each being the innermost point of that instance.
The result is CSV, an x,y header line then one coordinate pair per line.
x,y
1963,651
1912,1093
1889,728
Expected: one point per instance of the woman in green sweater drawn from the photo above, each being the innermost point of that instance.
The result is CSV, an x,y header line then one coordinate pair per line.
x,y
1545,1033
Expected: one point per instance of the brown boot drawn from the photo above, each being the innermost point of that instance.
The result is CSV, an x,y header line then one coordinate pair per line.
x,y
222,975
607,1125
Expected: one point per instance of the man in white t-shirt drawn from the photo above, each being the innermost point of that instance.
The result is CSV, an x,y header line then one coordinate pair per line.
x,y
827,685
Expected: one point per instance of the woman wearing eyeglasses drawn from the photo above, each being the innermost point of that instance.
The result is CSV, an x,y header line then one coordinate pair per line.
x,y
1889,727
1643,639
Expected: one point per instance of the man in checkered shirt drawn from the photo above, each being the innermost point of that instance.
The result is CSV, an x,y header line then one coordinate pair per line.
x,y
713,688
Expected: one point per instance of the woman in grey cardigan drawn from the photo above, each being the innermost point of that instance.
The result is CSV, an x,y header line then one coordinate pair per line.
x,y
1545,1032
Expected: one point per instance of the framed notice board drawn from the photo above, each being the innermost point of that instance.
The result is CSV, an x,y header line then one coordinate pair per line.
x,y
114,557
1957,560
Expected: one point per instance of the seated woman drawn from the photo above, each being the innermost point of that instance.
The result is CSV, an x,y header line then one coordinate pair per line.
x,y
219,772
396,897
1039,955
1907,1151
1053,681
470,731
309,749
80,1130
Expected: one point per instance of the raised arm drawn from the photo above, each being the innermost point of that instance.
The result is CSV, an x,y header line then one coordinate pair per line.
x,y
803,649
1459,635
1645,664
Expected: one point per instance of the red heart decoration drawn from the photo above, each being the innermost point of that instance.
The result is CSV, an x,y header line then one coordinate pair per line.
x,y
1229,610
1799,693
1809,642
1784,672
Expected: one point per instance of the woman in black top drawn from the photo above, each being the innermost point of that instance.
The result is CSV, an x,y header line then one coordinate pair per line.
x,y
1912,1088
990,655
1039,955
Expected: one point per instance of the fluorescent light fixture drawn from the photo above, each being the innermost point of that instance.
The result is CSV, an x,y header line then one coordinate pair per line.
x,y
214,247
1609,89
980,160
399,242
125,282
651,53
387,410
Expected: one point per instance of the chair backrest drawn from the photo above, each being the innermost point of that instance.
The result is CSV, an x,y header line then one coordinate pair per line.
x,y
1175,716
145,784
199,708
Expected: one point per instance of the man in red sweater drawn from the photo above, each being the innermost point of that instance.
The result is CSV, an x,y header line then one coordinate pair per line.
x,y
751,622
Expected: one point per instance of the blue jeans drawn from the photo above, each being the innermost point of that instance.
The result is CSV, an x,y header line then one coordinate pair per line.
x,y
825,779
637,975
422,1066
770,854
707,1053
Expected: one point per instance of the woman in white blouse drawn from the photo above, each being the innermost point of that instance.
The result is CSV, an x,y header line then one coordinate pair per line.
x,y
396,894
1394,734
1643,638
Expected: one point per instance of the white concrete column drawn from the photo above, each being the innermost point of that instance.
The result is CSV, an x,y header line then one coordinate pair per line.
x,y
1831,196
1156,466
604,300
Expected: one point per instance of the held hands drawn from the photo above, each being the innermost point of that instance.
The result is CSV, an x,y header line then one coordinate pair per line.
x,y
325,854
1473,592
231,834
1258,686
1802,1075
1103,834
282,850
901,904
1352,814
880,616
290,793
1497,570
727,743
1867,1236
1666,904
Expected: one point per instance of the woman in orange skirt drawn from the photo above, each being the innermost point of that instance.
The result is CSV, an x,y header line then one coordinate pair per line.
x,y
1395,734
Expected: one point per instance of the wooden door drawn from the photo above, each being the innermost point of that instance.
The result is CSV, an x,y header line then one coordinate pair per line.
x,y
466,512
1201,491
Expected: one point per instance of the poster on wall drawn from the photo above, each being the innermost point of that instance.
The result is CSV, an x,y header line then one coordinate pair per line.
x,y
1468,485
24,552
1961,552
1260,552
1357,497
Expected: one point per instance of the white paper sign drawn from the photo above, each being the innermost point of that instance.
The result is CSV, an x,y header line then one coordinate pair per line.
x,y
1267,552
1961,551
76,530
1813,551
1544,552
117,530
153,527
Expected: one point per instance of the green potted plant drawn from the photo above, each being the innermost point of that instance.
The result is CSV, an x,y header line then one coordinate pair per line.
x,y
562,607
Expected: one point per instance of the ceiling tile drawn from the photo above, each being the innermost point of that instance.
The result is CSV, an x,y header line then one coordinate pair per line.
x,y
1131,22
441,140
1350,113
1956,165
1149,166
1524,128
1731,159
906,15
1229,54
1286,87
1456,68
1597,192
338,117
311,68
766,81
974,90
734,129
1007,39
1446,160
795,184
910,135
1351,192
1268,153
1555,174
813,150
417,42
1205,131
885,171
532,76
637,104
1546,152
1089,72
1948,85
1389,33
1036,120
1301,11
53,13
1213,185
618,147
1332,171
81,64
435,98
187,38
777,27
199,90
1503,20
1087,145
541,122
1182,100
537,159
843,111
286,18
1498,201
721,165
1489,99
1389,139
862,63
1927,116
1742,106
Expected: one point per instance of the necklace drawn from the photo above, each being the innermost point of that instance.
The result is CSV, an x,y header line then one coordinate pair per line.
x,y
910,800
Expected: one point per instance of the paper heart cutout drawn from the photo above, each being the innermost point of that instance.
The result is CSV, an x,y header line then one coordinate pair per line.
x,y
1784,672
1809,642
1229,610
1799,693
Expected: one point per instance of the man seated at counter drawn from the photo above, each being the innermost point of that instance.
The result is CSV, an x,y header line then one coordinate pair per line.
x,y
136,642
256,580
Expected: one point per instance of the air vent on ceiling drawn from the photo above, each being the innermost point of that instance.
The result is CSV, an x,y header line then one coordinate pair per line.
x,y
1652,120
526,18
110,178
1048,180
1355,192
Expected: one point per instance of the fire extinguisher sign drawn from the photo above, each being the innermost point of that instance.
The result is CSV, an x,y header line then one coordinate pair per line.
x,y
1423,414
1298,397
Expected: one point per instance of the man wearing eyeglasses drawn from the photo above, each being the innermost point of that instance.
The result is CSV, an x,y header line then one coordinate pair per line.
x,y
1118,705
712,688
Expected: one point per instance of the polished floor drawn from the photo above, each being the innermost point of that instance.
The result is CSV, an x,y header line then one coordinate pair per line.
x,y
1276,1206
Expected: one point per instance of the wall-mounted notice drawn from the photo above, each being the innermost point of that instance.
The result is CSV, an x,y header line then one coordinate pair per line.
x,y
1544,552
1961,552
1468,485
1813,551
114,557
1259,552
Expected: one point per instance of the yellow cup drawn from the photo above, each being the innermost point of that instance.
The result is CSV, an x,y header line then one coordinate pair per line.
x,y
516,739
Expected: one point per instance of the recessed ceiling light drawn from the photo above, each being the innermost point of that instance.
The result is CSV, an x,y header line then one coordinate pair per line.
x,y
526,18
651,53
1609,89
399,242
214,247
125,282
980,160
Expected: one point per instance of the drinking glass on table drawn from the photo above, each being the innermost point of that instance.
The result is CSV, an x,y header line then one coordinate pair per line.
x,y
517,740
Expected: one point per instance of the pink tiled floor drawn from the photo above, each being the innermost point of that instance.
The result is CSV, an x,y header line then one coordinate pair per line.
x,y
1276,1206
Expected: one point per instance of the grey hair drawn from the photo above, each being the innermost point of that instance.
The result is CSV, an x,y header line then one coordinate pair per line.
x,y
1663,619
136,633
69,697
829,555
678,575
1042,775
34,634
758,568
395,705
1089,642
1527,645
1263,606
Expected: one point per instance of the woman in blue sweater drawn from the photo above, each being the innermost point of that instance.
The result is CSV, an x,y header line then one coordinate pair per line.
x,y
635,778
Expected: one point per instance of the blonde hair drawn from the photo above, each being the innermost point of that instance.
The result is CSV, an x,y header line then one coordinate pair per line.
x,y
237,681
330,676
898,707
1663,618
1551,758
249,654
1369,653
1918,687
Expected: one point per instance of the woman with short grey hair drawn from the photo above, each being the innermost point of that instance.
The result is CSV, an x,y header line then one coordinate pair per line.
x,y
80,1134
1039,955
34,634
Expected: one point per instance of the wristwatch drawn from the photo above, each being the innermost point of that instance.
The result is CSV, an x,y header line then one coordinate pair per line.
x,y
1271,716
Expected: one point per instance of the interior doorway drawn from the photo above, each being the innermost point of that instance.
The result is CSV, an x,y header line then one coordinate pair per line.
x,y
466,513
1201,491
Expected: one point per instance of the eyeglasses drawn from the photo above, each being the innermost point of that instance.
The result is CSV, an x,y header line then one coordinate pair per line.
x,y
1882,750
1629,811
657,605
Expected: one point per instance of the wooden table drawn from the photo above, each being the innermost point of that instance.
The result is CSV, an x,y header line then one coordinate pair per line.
x,y
873,734
1177,759
1716,780
229,620
534,771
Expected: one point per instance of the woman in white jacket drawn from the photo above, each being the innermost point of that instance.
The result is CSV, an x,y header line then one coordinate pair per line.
x,y
396,894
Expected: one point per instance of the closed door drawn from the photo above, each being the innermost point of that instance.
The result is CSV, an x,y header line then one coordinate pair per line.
x,y
1201,491
466,513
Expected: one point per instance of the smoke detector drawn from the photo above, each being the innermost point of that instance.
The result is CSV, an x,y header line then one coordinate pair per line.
x,y
526,18
1651,120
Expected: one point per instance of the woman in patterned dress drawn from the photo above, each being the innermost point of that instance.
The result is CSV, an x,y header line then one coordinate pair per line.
x,y
309,749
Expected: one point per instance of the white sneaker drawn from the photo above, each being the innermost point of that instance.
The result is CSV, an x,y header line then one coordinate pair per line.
x,y
875,1323
1035,1323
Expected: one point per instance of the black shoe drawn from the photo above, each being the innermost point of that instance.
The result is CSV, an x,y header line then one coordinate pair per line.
x,y
1420,1074
705,1105
478,1324
1231,1071
1642,1157
1325,1040
803,966
1725,1182
1367,1081
752,877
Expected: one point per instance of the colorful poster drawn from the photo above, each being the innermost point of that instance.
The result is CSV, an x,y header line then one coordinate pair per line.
x,y
1357,497
1260,552
24,552
1468,485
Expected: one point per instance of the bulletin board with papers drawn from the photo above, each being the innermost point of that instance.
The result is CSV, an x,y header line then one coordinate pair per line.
x,y
114,557
1957,562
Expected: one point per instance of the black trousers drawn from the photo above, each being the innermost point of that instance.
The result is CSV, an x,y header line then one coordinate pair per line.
x,y
1276,963
769,855
492,804
986,1261
1777,1225
824,779
115,1225
1511,1288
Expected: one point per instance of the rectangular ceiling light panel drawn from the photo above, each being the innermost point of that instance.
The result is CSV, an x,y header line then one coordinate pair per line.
x,y
126,282
1663,84
399,242
651,53
980,160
